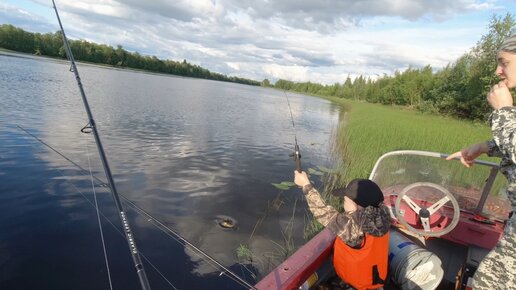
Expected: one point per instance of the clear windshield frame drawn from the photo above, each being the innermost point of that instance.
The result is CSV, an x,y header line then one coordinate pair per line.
x,y
480,190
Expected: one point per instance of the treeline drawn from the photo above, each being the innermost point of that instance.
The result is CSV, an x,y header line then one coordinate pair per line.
x,y
51,44
458,90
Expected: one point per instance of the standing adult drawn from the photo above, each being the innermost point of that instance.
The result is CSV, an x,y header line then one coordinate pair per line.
x,y
498,269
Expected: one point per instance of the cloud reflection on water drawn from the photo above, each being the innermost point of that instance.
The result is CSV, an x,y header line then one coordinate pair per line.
x,y
184,150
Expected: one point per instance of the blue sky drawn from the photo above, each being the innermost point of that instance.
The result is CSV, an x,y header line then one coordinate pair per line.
x,y
321,41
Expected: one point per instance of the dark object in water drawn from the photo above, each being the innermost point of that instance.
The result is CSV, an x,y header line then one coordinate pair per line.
x,y
226,222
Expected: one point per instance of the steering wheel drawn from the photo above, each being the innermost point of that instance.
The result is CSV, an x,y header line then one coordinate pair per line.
x,y
424,213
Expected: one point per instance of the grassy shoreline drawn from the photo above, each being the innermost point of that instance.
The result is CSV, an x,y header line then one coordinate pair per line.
x,y
369,130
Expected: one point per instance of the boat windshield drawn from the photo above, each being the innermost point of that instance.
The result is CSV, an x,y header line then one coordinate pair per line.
x,y
396,170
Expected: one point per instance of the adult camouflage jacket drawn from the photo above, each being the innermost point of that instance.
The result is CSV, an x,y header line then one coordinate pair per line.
x,y
350,227
503,127
498,269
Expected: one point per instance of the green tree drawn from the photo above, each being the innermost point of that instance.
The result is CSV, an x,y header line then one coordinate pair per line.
x,y
266,83
484,64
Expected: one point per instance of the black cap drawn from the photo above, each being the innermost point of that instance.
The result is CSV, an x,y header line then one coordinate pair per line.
x,y
363,192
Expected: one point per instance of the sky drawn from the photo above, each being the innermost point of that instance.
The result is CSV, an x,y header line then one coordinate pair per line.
x,y
321,41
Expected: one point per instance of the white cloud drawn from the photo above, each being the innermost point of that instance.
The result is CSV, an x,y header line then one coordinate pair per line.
x,y
234,65
299,40
294,73
20,17
336,10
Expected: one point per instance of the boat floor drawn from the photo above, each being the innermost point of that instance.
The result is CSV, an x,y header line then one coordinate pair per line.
x,y
335,283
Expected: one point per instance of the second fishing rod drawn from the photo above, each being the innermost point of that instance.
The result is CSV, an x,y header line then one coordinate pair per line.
x,y
297,153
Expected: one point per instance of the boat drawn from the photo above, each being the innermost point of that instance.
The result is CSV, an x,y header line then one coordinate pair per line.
x,y
444,219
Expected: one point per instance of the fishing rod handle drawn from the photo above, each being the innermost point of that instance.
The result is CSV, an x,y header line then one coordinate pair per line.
x,y
297,158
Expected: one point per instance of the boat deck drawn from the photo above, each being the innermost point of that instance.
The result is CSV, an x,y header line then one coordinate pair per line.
x,y
335,283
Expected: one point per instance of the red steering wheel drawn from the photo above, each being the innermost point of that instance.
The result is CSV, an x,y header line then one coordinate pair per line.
x,y
424,213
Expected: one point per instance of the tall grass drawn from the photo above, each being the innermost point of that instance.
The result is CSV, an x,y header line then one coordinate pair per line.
x,y
369,130
282,250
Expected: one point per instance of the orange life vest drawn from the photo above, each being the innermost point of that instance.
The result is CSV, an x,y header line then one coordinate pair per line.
x,y
363,268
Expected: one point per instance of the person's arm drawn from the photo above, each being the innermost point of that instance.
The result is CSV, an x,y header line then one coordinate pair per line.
x,y
345,225
492,149
467,155
322,212
503,119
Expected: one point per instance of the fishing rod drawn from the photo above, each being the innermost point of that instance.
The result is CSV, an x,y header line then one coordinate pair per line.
x,y
90,127
296,154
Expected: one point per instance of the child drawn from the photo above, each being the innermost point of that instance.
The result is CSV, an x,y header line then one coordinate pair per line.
x,y
362,245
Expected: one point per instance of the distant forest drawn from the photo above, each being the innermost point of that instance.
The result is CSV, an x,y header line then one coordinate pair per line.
x,y
458,90
51,44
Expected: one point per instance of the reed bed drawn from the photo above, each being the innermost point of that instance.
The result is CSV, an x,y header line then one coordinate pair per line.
x,y
369,130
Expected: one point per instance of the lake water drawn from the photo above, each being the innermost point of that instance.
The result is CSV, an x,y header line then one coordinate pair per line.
x,y
187,151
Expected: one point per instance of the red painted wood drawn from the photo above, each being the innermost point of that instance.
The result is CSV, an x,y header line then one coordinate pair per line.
x,y
294,271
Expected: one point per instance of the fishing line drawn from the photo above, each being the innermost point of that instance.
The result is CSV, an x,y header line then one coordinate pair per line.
x,y
296,154
106,260
114,226
154,221
83,171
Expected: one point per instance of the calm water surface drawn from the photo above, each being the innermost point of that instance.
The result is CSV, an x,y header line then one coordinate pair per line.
x,y
187,151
